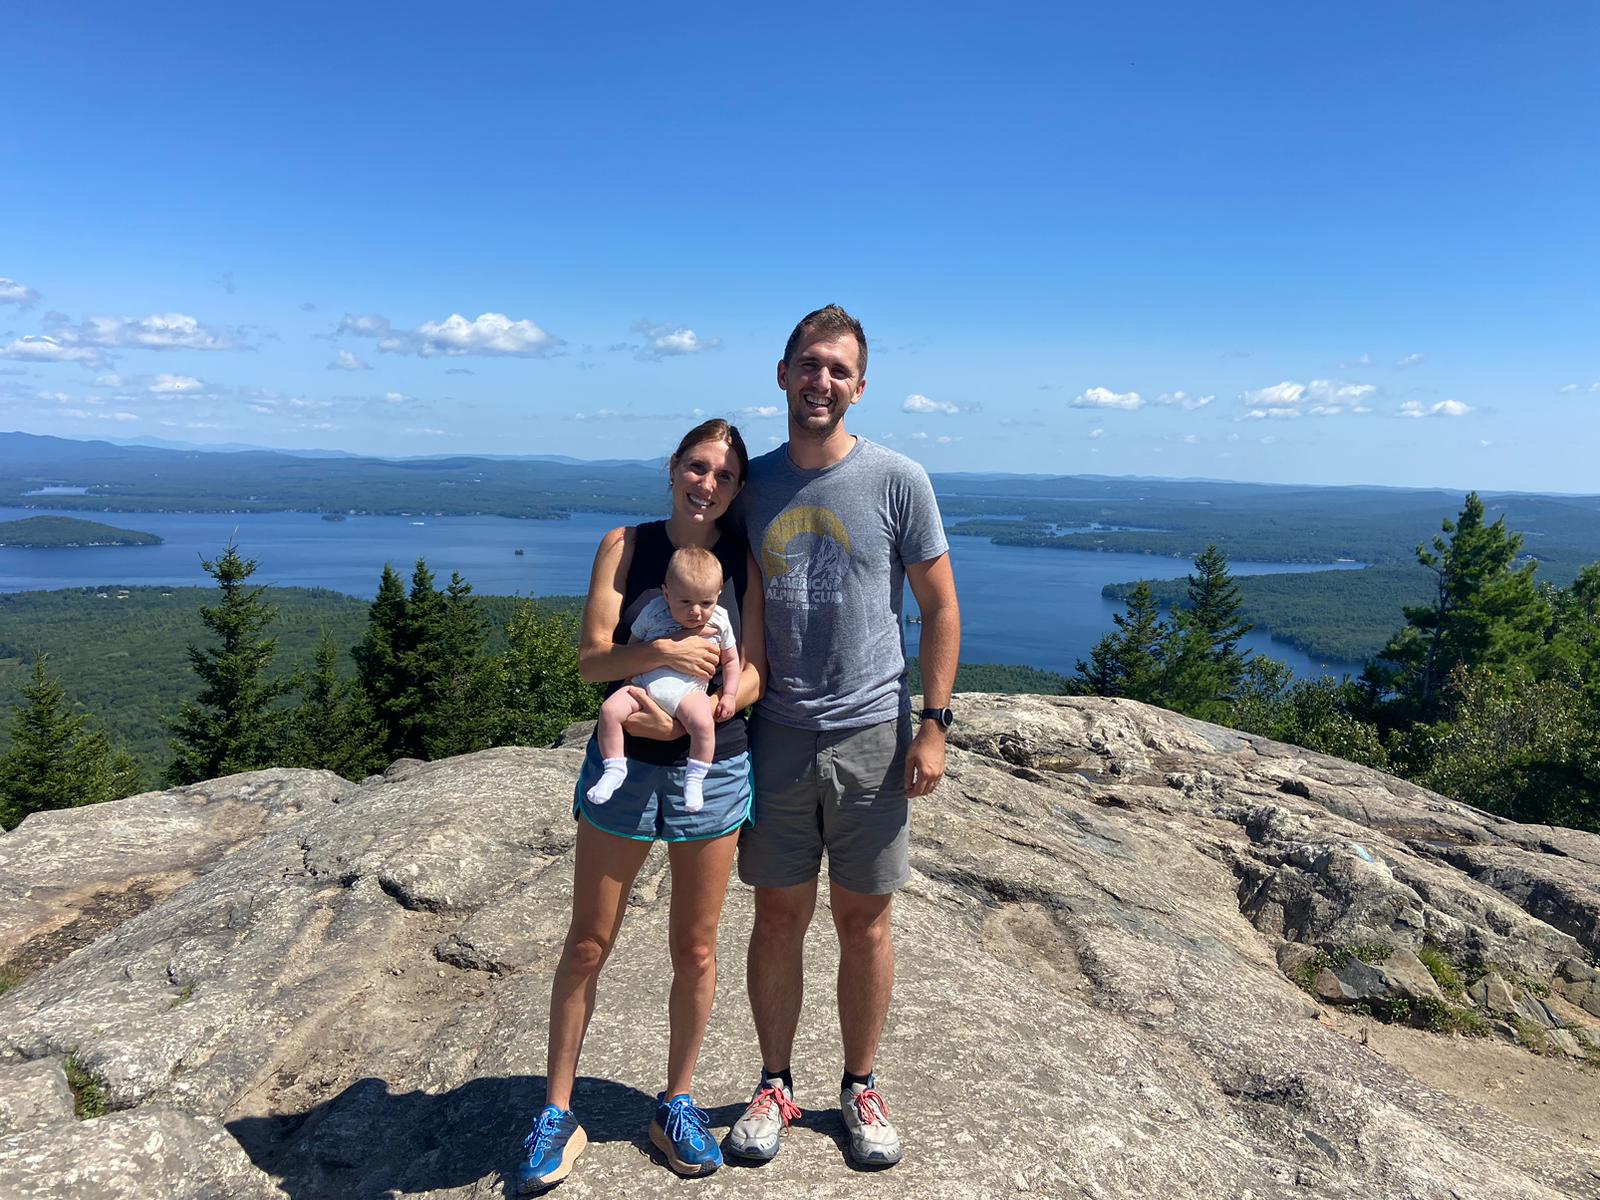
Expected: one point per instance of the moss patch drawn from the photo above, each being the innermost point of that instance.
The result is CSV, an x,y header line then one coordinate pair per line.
x,y
88,1097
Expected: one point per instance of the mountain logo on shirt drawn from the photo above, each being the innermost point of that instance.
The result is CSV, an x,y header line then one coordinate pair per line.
x,y
804,555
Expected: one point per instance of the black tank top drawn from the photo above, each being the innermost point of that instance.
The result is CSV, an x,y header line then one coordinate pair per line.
x,y
646,572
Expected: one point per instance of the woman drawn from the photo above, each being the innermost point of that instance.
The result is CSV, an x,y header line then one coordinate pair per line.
x,y
704,476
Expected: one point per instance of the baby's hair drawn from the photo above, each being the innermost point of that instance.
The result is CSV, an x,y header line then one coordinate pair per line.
x,y
694,565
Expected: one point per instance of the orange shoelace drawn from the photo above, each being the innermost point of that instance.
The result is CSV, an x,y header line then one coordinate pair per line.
x,y
769,1097
872,1107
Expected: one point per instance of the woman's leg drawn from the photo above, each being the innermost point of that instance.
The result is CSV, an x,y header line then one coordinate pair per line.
x,y
602,876
699,883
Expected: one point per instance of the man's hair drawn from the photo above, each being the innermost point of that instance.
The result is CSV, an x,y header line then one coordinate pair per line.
x,y
694,565
715,430
829,322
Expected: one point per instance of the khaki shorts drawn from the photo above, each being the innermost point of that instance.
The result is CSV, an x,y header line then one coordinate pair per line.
x,y
839,790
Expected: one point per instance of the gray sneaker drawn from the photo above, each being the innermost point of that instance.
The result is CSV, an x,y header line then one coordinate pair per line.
x,y
873,1141
755,1134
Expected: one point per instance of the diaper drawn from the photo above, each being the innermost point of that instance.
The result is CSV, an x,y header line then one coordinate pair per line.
x,y
669,690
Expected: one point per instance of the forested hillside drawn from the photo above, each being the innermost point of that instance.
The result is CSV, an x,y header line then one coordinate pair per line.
x,y
1341,615
121,654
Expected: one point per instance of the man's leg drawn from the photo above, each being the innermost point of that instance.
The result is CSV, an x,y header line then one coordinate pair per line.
x,y
775,967
866,973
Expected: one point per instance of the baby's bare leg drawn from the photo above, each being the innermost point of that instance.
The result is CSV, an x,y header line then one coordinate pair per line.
x,y
696,716
619,706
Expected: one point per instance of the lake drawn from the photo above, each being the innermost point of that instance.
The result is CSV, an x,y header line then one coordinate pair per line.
x,y
1019,604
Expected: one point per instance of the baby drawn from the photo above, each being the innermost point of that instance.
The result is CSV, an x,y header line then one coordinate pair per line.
x,y
688,600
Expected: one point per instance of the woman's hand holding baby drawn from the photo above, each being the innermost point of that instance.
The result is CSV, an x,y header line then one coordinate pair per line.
x,y
688,653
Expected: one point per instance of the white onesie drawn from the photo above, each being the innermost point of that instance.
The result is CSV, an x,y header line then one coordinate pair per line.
x,y
665,686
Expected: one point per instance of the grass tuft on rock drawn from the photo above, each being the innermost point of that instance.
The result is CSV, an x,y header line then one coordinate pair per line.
x,y
10,977
88,1097
1530,1036
1444,972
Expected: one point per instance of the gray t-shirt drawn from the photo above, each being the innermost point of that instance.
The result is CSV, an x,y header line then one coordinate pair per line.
x,y
832,546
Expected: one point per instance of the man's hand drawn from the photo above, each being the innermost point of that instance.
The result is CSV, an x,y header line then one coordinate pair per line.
x,y
925,760
724,708
651,721
689,654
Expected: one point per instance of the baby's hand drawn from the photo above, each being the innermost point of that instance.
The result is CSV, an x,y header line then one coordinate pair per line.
x,y
724,708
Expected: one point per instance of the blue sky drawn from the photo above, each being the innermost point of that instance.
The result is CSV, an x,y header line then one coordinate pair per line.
x,y
1329,244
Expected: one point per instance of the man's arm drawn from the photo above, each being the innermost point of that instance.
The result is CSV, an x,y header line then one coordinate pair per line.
x,y
934,586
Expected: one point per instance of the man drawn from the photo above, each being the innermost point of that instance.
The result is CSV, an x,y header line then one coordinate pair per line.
x,y
837,524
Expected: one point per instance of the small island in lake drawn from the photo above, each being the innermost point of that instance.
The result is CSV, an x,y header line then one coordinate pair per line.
x,y
50,533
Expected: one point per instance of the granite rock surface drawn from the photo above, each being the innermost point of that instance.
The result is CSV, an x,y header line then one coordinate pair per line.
x,y
1110,963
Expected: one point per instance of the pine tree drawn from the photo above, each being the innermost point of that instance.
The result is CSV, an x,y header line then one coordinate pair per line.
x,y
462,683
381,660
543,692
1214,604
424,669
333,726
1130,662
236,724
1485,613
55,761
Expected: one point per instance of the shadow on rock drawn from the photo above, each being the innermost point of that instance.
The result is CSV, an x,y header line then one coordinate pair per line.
x,y
367,1141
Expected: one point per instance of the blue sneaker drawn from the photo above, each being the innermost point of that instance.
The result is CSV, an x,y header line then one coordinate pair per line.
x,y
551,1149
680,1132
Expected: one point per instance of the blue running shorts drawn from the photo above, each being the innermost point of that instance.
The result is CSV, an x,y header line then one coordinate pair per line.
x,y
648,806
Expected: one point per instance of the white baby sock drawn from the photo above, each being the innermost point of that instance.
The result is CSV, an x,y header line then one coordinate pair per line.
x,y
616,771
693,799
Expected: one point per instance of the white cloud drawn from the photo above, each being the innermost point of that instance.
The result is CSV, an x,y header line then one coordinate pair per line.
x,y
1409,360
1277,395
1096,433
1099,397
12,292
1444,408
1272,414
1569,388
428,432
921,404
670,341
1361,360
163,331
599,414
761,411
397,398
1190,439
1595,388
175,385
489,334
42,348
83,414
1327,398
1183,400
919,436
344,360
944,439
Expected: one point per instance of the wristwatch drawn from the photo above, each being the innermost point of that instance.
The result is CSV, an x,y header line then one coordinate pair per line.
x,y
944,716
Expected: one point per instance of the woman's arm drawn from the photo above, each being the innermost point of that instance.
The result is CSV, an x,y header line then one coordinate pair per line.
x,y
600,657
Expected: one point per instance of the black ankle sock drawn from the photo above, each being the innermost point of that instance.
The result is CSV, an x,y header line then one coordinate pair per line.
x,y
788,1080
863,1080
